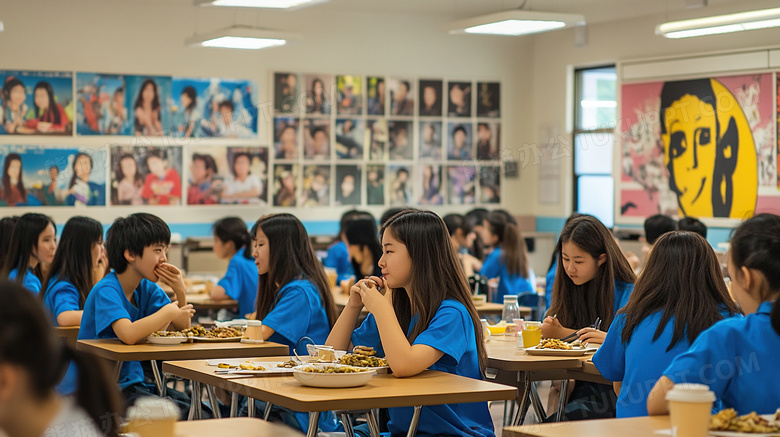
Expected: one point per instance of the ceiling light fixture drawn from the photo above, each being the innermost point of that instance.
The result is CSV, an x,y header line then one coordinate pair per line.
x,y
242,37
750,20
515,23
268,4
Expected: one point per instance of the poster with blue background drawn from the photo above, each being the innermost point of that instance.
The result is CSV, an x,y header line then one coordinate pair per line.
x,y
213,108
36,102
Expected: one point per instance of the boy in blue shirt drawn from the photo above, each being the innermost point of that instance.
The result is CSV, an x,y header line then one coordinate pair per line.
x,y
128,304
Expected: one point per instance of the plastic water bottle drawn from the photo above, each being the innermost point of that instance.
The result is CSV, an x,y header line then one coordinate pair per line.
x,y
511,309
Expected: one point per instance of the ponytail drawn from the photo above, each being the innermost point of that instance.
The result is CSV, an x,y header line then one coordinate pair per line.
x,y
247,246
234,229
96,393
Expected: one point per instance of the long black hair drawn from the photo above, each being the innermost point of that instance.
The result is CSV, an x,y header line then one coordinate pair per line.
x,y
75,163
437,274
193,96
755,244
292,257
51,114
361,231
234,229
682,278
73,260
7,225
25,238
511,241
11,157
28,341
139,100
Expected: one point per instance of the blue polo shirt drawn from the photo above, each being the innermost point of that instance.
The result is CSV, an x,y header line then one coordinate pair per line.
x,y
640,362
240,282
451,331
298,312
495,267
30,281
737,358
60,296
107,303
338,258
548,286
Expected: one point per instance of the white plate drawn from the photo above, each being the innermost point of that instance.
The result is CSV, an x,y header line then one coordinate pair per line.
x,y
559,352
330,380
166,340
270,369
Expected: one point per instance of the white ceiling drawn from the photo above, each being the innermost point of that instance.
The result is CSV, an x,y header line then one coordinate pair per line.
x,y
595,11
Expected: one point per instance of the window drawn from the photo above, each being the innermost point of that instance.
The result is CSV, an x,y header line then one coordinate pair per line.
x,y
595,113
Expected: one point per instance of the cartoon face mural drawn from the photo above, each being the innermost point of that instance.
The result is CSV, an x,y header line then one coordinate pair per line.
x,y
708,149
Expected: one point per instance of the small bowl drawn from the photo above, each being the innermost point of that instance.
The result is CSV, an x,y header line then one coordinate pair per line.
x,y
166,340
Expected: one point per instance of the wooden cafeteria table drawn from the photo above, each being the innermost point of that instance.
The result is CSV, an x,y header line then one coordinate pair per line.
x,y
118,352
69,333
634,427
235,426
504,355
383,391
203,301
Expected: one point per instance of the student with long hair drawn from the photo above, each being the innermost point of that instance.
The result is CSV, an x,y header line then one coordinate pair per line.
x,y
550,277
7,225
50,116
737,357
232,241
77,264
680,294
32,362
14,192
33,244
362,240
147,110
294,300
508,262
593,281
475,218
338,255
421,317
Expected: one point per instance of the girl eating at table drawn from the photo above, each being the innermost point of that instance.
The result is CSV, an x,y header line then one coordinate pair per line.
x,y
737,357
32,361
680,293
232,241
593,281
508,262
421,317
78,264
32,248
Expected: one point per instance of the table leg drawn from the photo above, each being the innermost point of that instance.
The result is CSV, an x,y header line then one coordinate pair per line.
x,y
267,413
117,370
346,420
250,405
562,400
213,401
314,422
194,402
233,404
525,399
157,378
537,403
373,423
415,421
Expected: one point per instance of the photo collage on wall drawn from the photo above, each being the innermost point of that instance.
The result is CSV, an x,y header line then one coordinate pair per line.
x,y
193,115
374,140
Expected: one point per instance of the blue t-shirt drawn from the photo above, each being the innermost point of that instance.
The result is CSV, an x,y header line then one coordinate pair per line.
x,y
60,296
338,258
451,331
240,282
622,293
30,282
638,363
107,303
737,358
550,279
297,313
495,267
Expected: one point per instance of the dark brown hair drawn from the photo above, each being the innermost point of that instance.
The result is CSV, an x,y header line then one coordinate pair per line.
x,y
292,257
511,241
578,306
683,279
437,274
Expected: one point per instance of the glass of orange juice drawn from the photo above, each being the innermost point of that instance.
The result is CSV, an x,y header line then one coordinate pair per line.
x,y
532,334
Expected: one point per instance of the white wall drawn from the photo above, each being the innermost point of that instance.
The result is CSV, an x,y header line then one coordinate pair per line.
x,y
147,37
555,56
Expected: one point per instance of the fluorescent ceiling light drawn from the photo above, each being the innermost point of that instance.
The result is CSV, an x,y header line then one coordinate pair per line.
x,y
269,4
751,20
515,23
246,38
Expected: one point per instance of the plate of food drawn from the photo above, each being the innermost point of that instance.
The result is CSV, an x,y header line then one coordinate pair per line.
x,y
255,368
218,335
365,356
555,347
167,337
332,375
727,424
